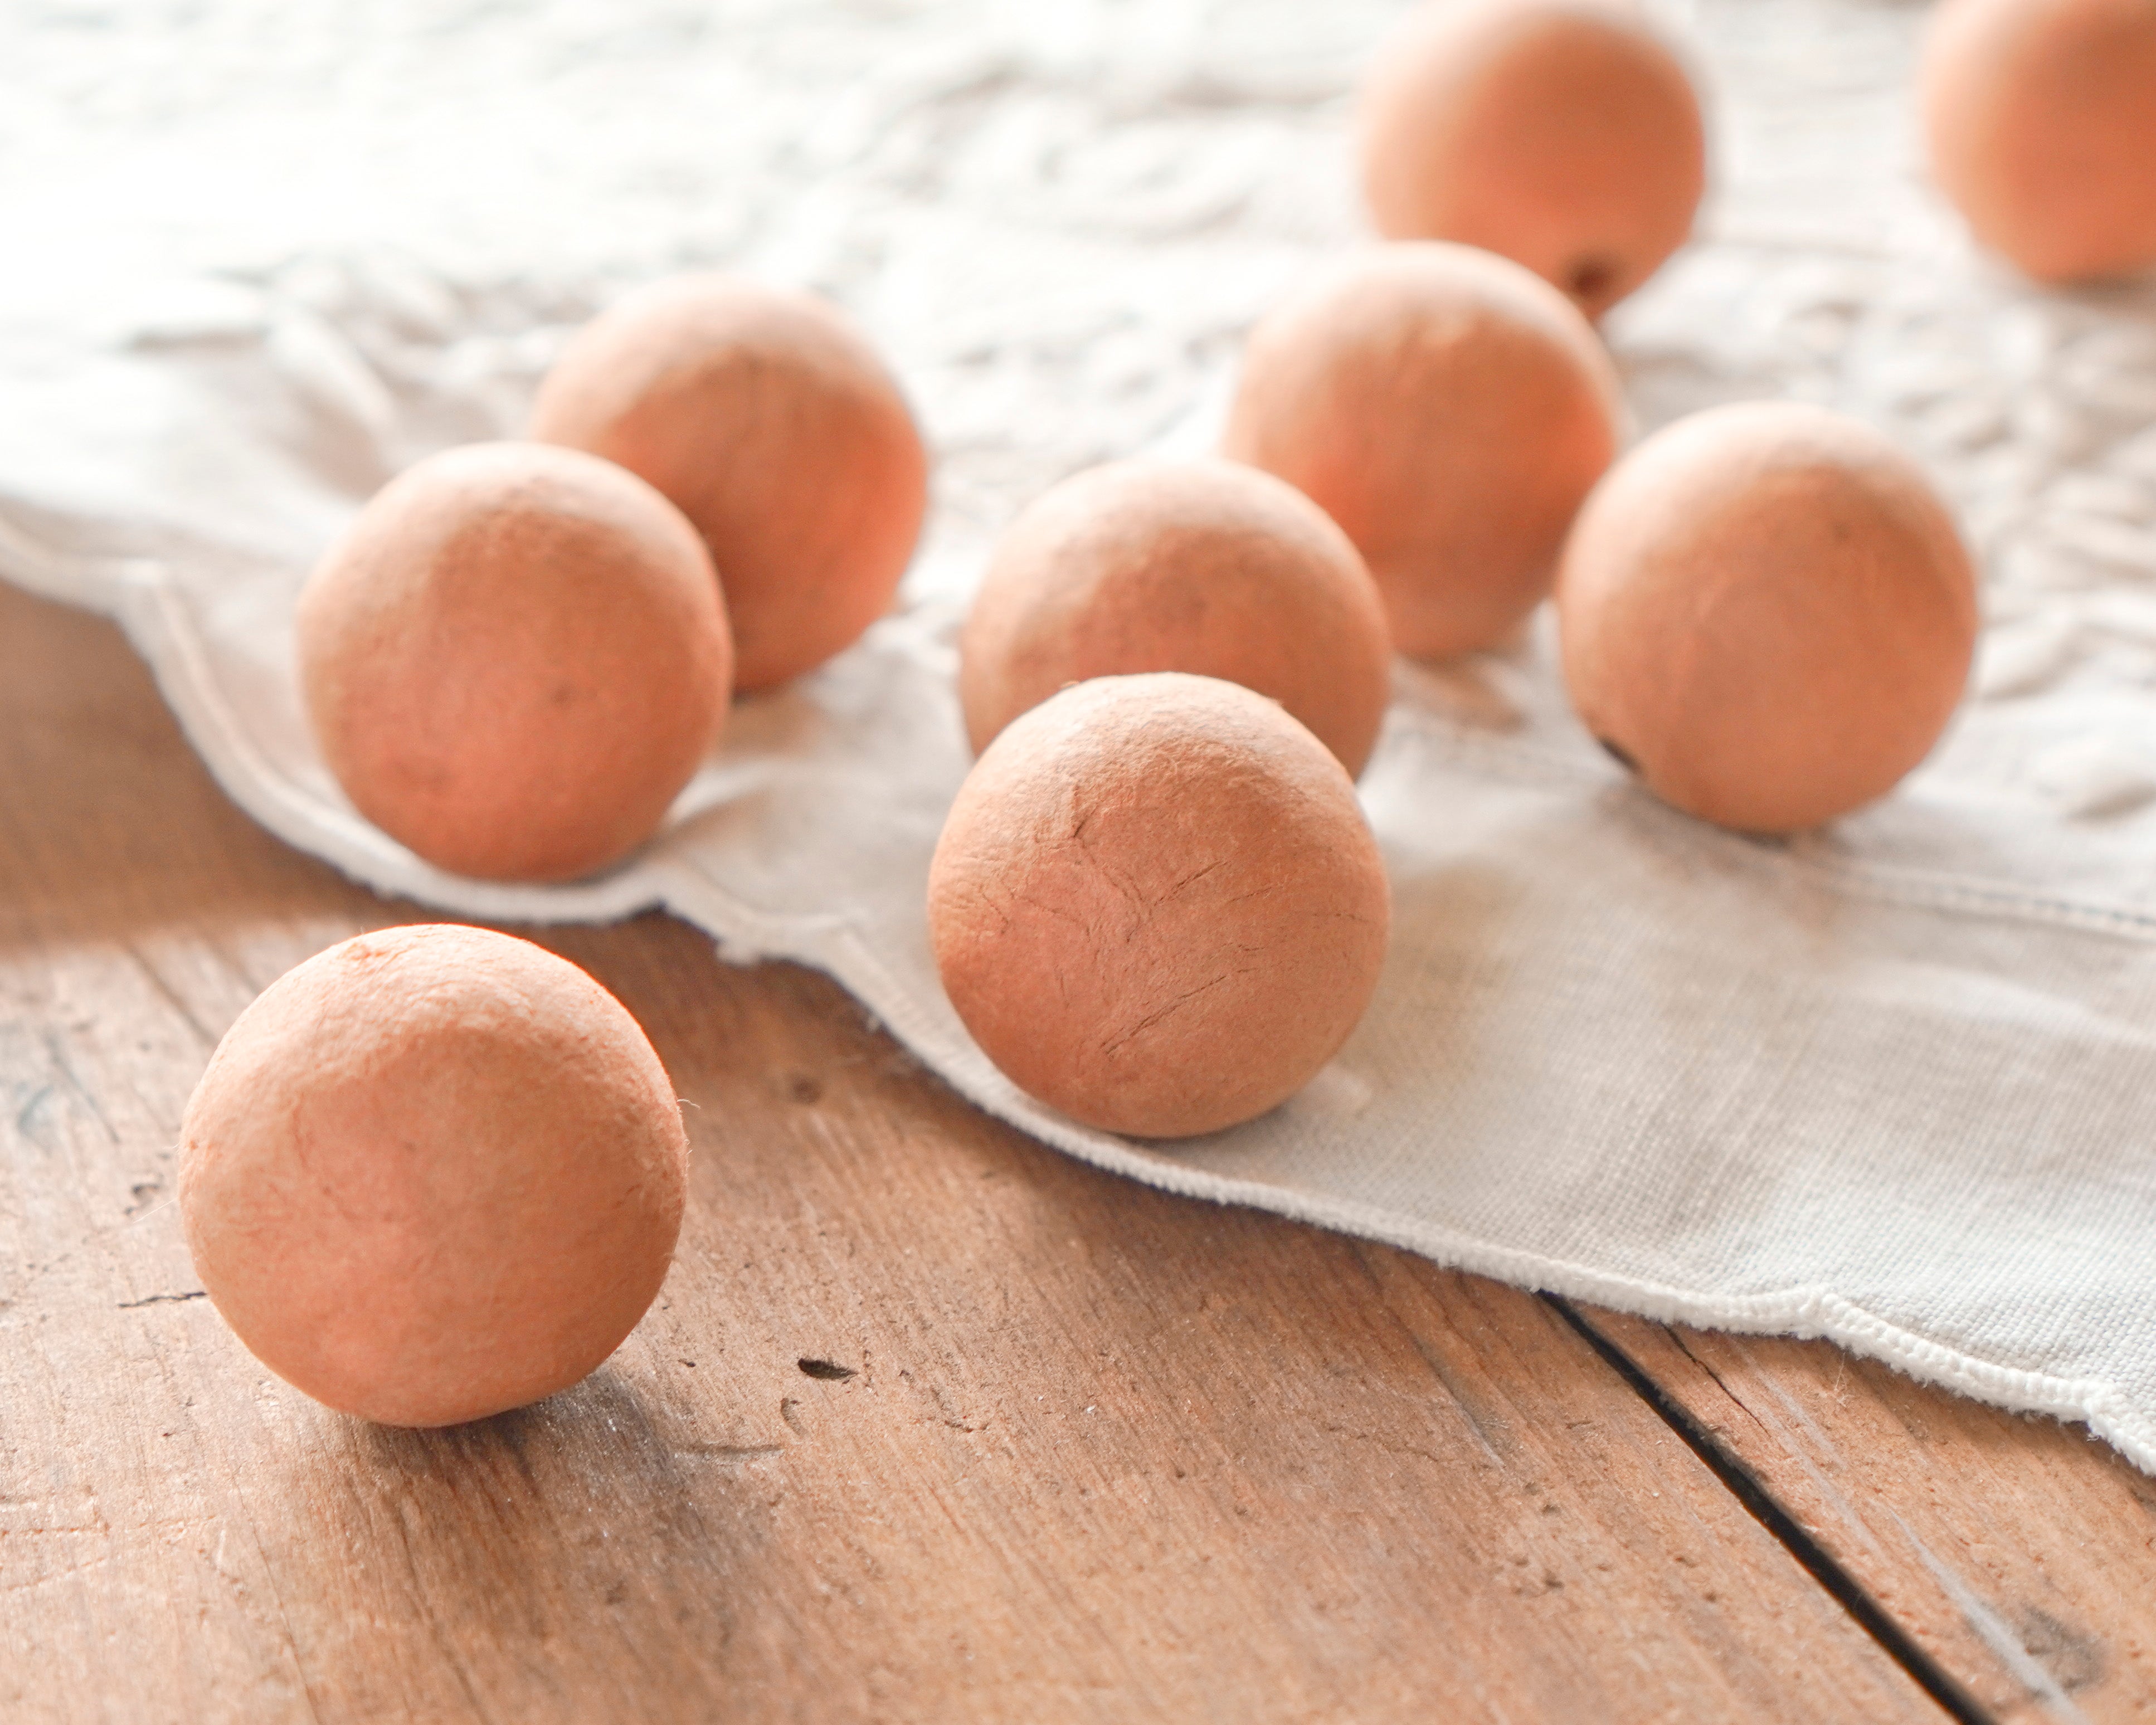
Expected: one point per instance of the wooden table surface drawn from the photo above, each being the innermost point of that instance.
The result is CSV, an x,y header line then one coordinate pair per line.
x,y
929,1422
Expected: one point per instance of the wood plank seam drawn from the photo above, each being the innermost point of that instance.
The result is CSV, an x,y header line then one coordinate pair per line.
x,y
1995,1634
1745,1485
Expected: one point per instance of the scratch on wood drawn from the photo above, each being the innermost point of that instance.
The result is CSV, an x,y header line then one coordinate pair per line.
x,y
729,1452
1489,1437
164,1299
2074,1658
1355,1435
209,1038
1997,1635
66,1069
946,1414
451,1657
1720,1382
1772,1430
30,1108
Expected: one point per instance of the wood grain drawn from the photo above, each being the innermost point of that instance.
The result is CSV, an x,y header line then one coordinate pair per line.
x,y
930,1423
2019,1552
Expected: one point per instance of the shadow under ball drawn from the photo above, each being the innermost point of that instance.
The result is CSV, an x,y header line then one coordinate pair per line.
x,y
778,430
1766,611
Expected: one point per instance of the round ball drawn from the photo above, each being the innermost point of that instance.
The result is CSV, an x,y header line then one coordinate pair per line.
x,y
2041,116
1157,905
781,434
1767,612
1205,567
1563,134
432,1173
1447,409
515,660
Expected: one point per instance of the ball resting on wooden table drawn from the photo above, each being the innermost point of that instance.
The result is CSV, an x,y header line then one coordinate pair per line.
x,y
1767,612
2041,116
1157,905
781,434
1448,410
515,660
1207,567
432,1173
1563,134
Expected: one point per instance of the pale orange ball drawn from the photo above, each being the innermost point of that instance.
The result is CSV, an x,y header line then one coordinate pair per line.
x,y
780,432
432,1173
1449,410
1206,567
2041,119
1564,134
515,660
1157,905
1766,611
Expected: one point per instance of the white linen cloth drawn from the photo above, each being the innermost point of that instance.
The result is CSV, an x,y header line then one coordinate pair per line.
x,y
1893,1082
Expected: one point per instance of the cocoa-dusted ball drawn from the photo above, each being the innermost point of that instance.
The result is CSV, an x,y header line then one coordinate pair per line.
x,y
2041,120
781,434
515,660
1563,134
1447,409
1766,611
1206,567
432,1173
1157,905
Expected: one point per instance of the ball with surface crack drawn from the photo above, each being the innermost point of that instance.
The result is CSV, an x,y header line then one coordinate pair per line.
x,y
1156,905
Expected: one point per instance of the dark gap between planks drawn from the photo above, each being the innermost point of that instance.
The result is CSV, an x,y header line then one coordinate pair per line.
x,y
1895,1641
